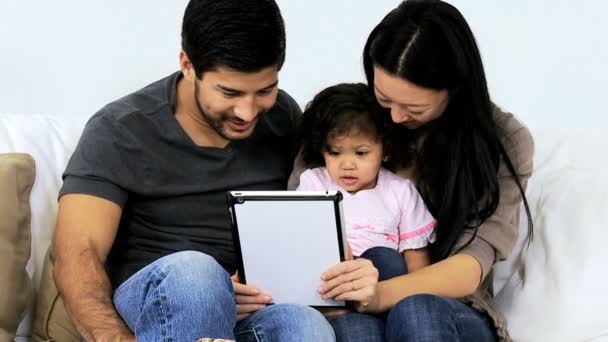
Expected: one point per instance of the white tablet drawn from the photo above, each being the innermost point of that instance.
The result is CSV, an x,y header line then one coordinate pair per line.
x,y
284,241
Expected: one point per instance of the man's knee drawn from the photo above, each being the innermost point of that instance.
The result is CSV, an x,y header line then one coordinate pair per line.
x,y
299,320
196,273
190,286
193,265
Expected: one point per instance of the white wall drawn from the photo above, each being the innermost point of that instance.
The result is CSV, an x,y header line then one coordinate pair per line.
x,y
70,57
545,60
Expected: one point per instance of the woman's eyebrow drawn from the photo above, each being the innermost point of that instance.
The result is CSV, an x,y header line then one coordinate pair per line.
x,y
379,91
403,104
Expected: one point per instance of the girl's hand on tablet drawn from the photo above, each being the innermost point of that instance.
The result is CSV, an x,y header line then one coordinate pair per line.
x,y
353,280
249,299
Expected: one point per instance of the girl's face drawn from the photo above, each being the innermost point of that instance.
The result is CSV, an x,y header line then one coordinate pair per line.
x,y
353,161
411,106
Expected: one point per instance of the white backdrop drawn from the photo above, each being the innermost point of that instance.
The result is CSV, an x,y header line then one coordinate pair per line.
x,y
545,60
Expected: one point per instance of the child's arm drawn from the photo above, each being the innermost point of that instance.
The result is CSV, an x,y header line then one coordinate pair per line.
x,y
416,227
416,259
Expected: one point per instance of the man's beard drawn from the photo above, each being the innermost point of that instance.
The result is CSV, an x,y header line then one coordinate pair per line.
x,y
216,123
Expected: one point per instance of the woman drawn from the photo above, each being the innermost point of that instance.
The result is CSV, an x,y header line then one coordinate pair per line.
x,y
470,162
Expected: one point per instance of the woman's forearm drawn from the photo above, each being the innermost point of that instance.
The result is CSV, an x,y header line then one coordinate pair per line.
x,y
455,277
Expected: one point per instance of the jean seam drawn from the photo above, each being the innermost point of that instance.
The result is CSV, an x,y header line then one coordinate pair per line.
x,y
256,335
457,326
242,332
165,324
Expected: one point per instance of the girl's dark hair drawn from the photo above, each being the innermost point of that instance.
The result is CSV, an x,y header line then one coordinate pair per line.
x,y
241,35
429,43
343,109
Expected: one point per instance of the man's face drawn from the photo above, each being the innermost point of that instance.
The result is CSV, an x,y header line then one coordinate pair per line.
x,y
232,102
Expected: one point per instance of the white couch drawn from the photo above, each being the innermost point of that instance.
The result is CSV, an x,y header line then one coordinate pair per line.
x,y
50,141
564,296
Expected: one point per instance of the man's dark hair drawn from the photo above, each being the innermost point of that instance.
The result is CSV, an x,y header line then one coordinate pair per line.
x,y
241,35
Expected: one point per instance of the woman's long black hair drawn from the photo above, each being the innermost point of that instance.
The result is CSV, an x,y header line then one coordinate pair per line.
x,y
429,43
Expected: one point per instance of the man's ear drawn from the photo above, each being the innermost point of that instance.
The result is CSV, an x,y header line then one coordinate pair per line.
x,y
186,66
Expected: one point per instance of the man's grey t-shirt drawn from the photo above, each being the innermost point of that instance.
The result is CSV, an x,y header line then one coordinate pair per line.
x,y
134,153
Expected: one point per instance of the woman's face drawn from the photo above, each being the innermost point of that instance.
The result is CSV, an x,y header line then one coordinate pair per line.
x,y
411,106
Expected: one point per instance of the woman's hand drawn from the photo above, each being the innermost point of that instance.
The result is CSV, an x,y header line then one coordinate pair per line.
x,y
352,280
249,299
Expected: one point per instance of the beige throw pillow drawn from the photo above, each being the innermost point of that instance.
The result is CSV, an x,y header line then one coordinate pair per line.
x,y
51,319
17,173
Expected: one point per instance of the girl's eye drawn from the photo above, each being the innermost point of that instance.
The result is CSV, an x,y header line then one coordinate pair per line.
x,y
333,153
362,153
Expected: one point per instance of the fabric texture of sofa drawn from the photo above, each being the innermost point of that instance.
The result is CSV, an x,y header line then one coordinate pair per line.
x,y
17,172
49,140
554,290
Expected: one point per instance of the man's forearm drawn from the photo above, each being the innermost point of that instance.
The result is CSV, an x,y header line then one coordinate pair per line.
x,y
86,291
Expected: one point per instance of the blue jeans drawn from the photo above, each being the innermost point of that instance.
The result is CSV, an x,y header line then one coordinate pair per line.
x,y
188,295
416,318
389,262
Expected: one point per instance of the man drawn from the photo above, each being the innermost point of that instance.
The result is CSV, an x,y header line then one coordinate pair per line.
x,y
143,244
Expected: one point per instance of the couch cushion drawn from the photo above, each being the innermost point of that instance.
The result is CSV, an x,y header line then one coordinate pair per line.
x,y
17,173
50,140
51,320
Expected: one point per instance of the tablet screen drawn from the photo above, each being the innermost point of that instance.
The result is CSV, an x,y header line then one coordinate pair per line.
x,y
286,239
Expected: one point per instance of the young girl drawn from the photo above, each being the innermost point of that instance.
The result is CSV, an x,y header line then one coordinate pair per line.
x,y
346,133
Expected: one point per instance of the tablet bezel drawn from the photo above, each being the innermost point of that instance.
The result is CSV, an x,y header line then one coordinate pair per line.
x,y
236,197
